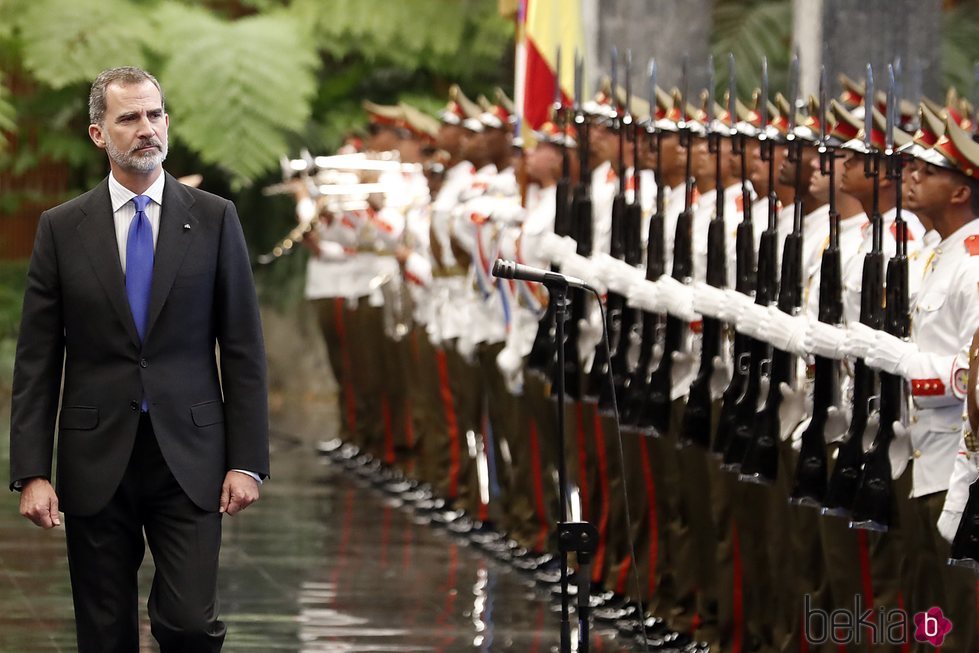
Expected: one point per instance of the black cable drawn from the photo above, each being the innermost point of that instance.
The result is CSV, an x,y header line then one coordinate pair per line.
x,y
625,489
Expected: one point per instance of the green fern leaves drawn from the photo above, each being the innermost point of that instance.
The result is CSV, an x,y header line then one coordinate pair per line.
x,y
235,90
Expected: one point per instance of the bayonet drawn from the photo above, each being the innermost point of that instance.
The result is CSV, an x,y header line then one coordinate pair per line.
x,y
558,104
628,83
823,109
763,101
868,108
614,100
709,109
732,92
793,94
651,91
682,124
891,109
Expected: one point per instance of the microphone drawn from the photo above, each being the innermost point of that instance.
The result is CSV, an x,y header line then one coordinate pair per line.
x,y
503,269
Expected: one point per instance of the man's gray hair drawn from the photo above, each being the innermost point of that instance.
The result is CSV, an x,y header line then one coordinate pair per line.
x,y
126,75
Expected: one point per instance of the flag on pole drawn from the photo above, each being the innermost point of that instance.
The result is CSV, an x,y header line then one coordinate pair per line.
x,y
548,24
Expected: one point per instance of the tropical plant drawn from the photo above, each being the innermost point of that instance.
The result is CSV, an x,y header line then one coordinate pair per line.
x,y
246,80
753,30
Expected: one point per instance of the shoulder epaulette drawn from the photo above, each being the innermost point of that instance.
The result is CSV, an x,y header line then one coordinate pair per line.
x,y
972,245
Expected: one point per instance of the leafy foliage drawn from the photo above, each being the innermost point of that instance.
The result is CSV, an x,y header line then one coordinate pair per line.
x,y
752,30
236,89
67,42
960,46
7,116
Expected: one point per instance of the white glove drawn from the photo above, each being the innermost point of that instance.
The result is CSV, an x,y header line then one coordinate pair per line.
x,y
617,275
752,320
677,298
584,269
964,475
644,295
682,368
708,300
511,367
792,410
888,352
900,450
837,424
786,332
948,524
824,340
556,248
720,377
733,305
859,340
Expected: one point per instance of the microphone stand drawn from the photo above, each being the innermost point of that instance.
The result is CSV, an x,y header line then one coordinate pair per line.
x,y
581,538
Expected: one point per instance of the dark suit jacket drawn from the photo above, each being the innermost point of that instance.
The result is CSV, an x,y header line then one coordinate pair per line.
x,y
209,412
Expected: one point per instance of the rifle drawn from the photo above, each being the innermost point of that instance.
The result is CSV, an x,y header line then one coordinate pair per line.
x,y
542,352
656,411
638,387
614,303
631,250
745,283
811,470
845,477
581,210
766,287
872,505
760,464
695,427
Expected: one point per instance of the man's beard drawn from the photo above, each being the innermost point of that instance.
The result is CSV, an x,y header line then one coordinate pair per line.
x,y
134,161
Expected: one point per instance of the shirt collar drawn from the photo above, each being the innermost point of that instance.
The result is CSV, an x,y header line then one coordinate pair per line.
x,y
120,195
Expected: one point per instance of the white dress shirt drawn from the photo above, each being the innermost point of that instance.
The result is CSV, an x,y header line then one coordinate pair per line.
x,y
123,212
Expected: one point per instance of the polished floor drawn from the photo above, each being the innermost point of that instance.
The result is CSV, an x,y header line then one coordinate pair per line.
x,y
323,563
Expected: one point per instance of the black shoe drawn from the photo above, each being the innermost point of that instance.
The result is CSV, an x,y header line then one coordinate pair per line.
x,y
550,574
483,533
461,526
532,561
611,613
672,642
402,487
446,516
329,447
654,627
429,505
417,494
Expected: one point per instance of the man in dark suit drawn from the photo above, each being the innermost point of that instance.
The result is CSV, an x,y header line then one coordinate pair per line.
x,y
132,287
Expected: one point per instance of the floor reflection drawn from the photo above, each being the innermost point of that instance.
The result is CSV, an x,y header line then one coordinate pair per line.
x,y
323,563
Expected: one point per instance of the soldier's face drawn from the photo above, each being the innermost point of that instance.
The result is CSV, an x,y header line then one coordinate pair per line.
x,y
931,189
604,143
544,162
818,183
788,167
670,155
702,162
854,182
757,168
449,138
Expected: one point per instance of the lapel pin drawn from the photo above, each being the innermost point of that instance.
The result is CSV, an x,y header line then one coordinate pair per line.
x,y
186,226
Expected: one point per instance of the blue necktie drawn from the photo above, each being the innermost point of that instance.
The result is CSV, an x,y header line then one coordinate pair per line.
x,y
139,264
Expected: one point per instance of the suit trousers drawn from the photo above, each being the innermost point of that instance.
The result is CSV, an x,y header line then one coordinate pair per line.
x,y
106,549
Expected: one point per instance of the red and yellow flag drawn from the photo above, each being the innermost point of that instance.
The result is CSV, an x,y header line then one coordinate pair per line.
x,y
547,24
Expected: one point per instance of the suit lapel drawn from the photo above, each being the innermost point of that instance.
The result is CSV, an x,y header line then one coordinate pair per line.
x,y
98,236
171,244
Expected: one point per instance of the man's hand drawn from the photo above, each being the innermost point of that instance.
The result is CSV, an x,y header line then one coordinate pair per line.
x,y
238,492
39,503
